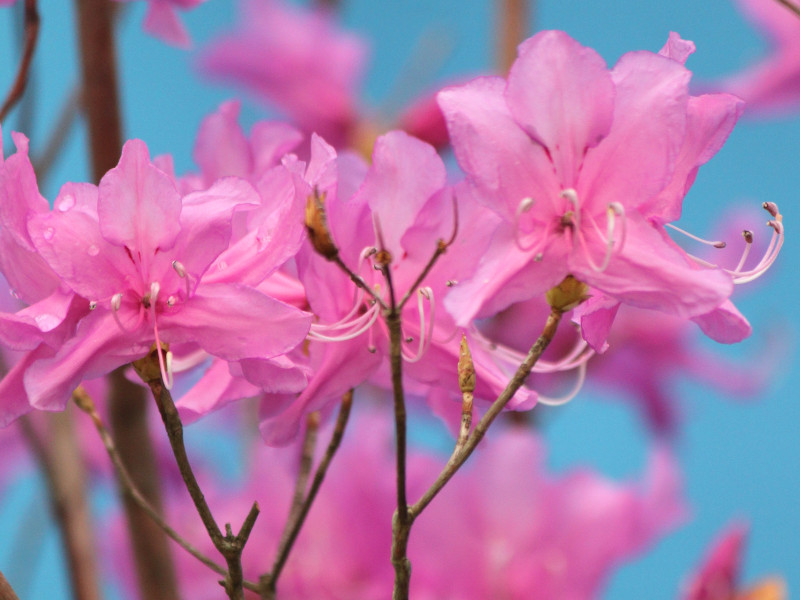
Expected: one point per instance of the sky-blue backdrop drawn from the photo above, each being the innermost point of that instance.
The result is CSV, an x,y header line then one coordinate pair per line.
x,y
740,461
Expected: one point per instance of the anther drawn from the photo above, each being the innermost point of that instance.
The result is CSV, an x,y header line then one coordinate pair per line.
x,y
451,282
410,339
154,289
771,208
171,301
116,301
179,268
92,305
748,236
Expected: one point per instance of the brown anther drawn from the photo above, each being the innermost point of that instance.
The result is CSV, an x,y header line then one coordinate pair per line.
x,y
748,236
317,226
720,244
383,258
771,208
567,219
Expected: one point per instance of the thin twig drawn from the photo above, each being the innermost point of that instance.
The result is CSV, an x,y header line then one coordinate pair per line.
x,y
270,580
304,472
86,404
31,37
401,528
6,591
441,248
791,6
66,479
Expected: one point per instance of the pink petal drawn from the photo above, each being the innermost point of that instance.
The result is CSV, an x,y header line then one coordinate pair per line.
x,y
709,121
279,375
497,156
561,93
19,194
71,243
233,321
25,329
13,397
215,389
596,316
405,172
162,21
652,272
221,148
138,205
725,324
677,48
637,158
270,141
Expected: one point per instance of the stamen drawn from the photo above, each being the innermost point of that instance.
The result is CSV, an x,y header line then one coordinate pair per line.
x,y
171,301
358,326
166,369
92,305
572,393
714,243
523,207
183,274
116,304
451,282
748,243
572,196
424,335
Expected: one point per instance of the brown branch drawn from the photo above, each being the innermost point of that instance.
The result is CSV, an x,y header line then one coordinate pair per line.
x,y
66,479
304,472
31,37
128,408
6,591
791,6
401,528
128,486
229,545
270,580
512,27
100,89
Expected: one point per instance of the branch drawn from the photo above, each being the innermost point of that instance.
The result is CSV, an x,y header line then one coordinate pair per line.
x,y
6,591
229,545
441,248
791,6
270,581
84,402
66,479
58,136
31,37
512,27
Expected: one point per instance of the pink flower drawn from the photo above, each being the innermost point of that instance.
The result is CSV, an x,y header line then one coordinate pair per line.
x,y
296,59
718,576
773,83
533,535
585,166
138,252
162,21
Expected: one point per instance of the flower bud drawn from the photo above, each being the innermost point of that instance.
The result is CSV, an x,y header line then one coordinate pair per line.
x,y
317,227
466,369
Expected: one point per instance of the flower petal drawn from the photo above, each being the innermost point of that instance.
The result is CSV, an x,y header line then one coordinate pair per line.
x,y
561,93
725,324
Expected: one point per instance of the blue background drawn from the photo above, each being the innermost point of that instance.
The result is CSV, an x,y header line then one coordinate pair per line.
x,y
740,461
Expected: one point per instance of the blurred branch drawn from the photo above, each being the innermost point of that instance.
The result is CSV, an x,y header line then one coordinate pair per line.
x,y
6,591
64,471
59,134
512,28
791,6
269,582
85,403
31,37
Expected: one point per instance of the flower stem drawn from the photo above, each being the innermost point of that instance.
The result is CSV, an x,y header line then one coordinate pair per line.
x,y
270,581
402,526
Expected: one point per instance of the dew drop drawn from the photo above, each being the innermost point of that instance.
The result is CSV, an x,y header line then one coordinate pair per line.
x,y
67,203
46,322
48,233
93,250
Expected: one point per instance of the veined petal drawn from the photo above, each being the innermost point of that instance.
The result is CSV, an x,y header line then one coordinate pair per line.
x,y
724,324
138,205
499,158
217,388
98,347
71,243
278,375
677,48
19,194
652,272
506,275
561,93
233,322
709,121
405,172
637,158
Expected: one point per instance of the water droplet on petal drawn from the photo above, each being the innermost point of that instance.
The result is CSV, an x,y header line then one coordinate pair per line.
x,y
46,322
93,250
66,203
14,294
48,233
